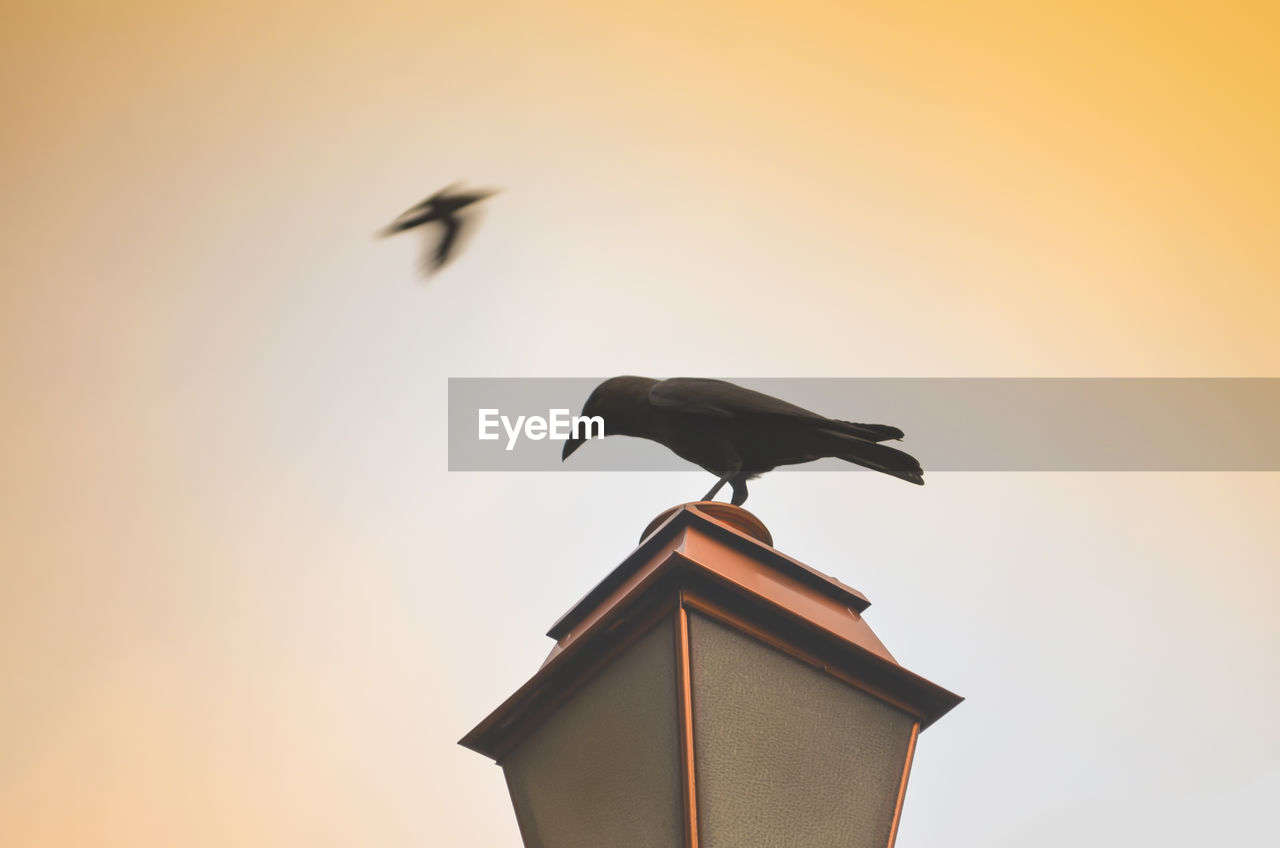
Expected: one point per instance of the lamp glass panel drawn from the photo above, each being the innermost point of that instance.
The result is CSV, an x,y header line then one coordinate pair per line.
x,y
603,770
785,754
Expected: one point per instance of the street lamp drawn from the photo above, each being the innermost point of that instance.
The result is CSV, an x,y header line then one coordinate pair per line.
x,y
712,692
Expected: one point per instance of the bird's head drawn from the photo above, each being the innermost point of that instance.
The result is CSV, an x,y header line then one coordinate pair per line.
x,y
612,402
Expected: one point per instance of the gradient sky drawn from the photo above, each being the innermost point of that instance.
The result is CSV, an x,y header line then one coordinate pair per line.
x,y
243,602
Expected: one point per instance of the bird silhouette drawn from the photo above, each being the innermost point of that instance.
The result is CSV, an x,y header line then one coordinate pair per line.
x,y
443,208
736,433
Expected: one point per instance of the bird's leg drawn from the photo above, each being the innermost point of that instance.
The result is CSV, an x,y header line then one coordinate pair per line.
x,y
717,487
732,475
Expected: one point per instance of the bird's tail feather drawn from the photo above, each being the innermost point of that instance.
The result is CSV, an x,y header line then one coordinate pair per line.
x,y
872,432
878,457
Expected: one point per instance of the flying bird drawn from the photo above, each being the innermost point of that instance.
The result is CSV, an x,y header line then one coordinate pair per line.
x,y
443,208
737,434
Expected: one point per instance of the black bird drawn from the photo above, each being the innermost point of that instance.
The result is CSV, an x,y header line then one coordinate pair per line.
x,y
443,207
735,433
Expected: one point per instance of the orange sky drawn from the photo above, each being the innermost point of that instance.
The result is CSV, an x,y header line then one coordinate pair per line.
x,y
231,593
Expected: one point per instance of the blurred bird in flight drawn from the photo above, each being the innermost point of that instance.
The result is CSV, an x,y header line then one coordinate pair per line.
x,y
445,208
735,433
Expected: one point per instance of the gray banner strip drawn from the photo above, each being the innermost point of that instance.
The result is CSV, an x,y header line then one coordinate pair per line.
x,y
951,424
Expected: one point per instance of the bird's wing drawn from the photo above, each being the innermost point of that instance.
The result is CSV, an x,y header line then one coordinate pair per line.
x,y
419,207
407,222
719,399
467,198
413,216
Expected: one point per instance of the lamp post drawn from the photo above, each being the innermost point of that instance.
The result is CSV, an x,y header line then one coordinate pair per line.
x,y
712,692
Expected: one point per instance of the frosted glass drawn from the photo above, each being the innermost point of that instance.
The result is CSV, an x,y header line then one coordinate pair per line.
x,y
604,769
786,755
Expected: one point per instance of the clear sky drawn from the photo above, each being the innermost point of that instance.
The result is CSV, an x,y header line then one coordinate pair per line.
x,y
243,602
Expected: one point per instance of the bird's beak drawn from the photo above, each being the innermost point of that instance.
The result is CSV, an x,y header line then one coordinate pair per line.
x,y
571,445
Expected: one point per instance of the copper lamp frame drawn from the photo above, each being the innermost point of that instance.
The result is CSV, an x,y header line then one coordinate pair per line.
x,y
716,560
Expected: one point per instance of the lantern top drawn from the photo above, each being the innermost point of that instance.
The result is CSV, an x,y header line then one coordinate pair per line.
x,y
718,554
704,531
734,516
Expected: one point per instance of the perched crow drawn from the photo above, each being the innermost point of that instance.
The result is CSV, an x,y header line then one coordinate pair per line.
x,y
735,433
443,208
